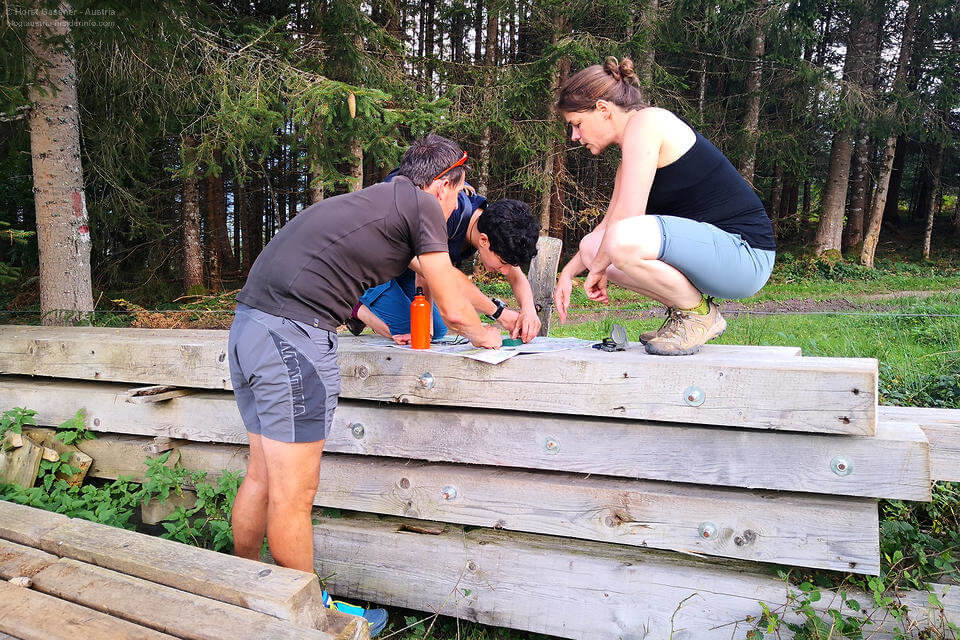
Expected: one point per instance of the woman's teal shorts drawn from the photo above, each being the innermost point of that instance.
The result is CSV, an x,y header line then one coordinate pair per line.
x,y
718,263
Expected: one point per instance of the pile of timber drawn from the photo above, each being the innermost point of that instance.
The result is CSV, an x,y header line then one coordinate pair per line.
x,y
617,495
63,579
21,455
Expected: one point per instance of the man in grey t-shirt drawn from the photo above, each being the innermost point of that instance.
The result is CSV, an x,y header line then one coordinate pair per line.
x,y
283,342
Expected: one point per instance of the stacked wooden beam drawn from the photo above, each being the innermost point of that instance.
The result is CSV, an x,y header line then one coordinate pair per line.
x,y
747,453
63,578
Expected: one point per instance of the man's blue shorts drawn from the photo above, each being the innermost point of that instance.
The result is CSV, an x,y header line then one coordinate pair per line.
x,y
391,303
718,263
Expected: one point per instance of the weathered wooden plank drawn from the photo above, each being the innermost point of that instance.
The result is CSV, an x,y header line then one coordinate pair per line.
x,y
156,606
824,395
283,593
36,616
829,395
17,560
156,393
566,588
796,529
942,427
78,459
894,464
19,460
175,357
542,275
153,510
26,525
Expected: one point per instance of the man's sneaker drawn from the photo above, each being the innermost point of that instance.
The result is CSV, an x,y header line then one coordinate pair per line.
x,y
667,325
376,618
690,332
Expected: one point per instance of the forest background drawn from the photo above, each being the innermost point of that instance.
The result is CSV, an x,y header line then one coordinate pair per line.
x,y
152,149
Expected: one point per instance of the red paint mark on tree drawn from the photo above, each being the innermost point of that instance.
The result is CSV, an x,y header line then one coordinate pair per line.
x,y
78,204
83,229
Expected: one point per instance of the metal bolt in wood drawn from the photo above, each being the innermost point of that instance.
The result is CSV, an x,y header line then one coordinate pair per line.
x,y
707,530
357,430
551,445
427,381
449,492
841,465
694,396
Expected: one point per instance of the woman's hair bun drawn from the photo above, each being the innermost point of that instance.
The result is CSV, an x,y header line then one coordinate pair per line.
x,y
612,66
621,70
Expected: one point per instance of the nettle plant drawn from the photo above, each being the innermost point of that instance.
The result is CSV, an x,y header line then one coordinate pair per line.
x,y
116,503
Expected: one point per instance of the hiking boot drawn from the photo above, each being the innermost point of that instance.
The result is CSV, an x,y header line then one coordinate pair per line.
x,y
376,618
667,325
690,332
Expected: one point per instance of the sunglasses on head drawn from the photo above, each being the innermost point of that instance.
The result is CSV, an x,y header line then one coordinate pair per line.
x,y
458,163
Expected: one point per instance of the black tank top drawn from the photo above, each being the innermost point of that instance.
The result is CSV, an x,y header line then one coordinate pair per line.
x,y
702,185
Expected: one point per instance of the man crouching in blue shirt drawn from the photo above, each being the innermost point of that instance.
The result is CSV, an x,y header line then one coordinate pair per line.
x,y
502,234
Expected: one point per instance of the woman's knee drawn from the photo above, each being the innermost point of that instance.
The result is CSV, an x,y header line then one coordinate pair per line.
x,y
590,244
634,239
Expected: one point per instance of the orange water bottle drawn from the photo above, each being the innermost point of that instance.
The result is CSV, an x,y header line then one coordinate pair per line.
x,y
420,321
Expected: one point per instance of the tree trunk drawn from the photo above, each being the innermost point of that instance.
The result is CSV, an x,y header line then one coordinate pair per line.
x,y
776,190
702,95
751,119
551,203
252,222
356,166
892,209
860,178
293,178
63,232
872,237
648,19
238,203
477,29
830,230
192,248
956,213
316,182
429,43
211,246
490,60
280,180
853,231
935,168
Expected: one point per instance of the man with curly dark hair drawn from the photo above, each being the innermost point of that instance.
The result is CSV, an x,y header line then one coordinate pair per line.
x,y
503,235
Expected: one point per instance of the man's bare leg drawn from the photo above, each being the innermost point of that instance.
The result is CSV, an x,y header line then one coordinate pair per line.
x,y
293,472
249,518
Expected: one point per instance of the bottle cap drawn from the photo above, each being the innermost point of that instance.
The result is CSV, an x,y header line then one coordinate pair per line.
x,y
419,291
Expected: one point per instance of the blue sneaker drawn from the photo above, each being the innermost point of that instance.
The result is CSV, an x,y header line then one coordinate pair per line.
x,y
376,618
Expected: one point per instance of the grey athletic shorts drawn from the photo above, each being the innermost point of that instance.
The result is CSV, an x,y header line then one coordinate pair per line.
x,y
285,376
718,263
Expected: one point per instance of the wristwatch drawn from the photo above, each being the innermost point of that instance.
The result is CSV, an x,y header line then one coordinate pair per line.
x,y
500,307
